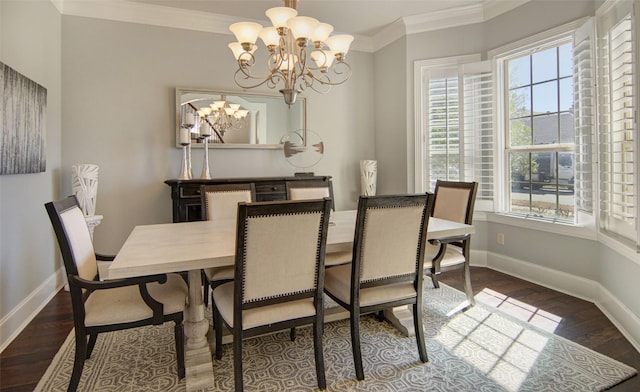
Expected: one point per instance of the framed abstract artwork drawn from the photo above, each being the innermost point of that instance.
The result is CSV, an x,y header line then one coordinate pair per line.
x,y
22,115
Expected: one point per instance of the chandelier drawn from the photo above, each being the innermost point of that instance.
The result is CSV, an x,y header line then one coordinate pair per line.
x,y
221,116
301,53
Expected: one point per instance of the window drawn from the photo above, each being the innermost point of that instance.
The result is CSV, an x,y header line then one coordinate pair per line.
x,y
456,124
539,131
562,146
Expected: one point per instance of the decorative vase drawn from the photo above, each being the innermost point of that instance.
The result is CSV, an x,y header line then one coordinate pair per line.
x,y
84,182
368,177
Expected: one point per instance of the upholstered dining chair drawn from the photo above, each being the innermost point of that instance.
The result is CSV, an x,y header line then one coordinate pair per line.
x,y
220,203
454,201
279,273
110,305
387,266
304,190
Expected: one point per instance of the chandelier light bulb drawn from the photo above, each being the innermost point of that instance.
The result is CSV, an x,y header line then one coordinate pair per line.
x,y
246,32
323,58
339,44
302,27
270,37
280,15
321,33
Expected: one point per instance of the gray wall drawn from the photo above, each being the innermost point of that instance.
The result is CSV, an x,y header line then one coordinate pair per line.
x,y
391,117
118,113
30,44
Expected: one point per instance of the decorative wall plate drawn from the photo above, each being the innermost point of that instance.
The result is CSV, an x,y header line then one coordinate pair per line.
x,y
301,154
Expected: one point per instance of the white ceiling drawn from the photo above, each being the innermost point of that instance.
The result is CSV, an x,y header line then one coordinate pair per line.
x,y
358,17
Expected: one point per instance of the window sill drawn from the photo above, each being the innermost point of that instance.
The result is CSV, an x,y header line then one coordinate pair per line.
x,y
578,231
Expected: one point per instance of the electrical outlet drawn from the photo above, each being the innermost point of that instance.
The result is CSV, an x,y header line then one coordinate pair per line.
x,y
501,238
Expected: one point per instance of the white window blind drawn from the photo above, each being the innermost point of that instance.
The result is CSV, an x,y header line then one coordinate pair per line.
x,y
478,147
458,126
584,120
617,124
444,147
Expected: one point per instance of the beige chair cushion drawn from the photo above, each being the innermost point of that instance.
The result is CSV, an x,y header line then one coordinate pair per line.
x,y
337,280
336,258
220,273
125,304
451,204
223,297
389,243
223,205
273,245
80,241
308,193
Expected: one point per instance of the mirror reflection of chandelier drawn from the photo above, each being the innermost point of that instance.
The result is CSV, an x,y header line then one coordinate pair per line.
x,y
222,116
287,62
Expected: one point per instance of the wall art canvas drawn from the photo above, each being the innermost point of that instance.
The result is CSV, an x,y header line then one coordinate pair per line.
x,y
22,114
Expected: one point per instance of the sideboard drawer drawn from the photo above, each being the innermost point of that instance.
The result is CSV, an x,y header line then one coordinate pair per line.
x,y
277,187
190,191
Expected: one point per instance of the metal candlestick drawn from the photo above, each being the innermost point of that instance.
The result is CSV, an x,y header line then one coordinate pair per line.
x,y
206,175
189,161
184,171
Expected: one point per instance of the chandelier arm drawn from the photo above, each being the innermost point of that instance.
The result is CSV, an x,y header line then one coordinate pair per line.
x,y
325,78
248,77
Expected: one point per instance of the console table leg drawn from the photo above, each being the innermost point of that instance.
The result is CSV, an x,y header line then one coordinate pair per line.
x,y
198,361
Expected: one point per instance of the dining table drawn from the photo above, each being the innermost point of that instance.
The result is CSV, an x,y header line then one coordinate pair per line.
x,y
191,246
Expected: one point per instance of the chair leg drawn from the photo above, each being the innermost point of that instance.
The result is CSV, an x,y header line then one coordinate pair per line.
x,y
434,279
205,286
317,348
467,283
355,343
78,362
92,342
417,325
380,315
178,331
292,334
217,325
237,361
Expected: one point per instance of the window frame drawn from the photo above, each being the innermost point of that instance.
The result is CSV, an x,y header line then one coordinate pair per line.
x,y
499,56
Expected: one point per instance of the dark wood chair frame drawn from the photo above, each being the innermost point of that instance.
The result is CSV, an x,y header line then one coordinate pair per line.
x,y
204,189
77,286
245,211
463,241
311,184
354,308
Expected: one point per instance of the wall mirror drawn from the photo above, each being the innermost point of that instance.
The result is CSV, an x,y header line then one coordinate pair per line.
x,y
235,119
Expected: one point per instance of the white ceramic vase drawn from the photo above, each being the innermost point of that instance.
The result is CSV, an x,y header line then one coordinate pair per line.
x,y
368,177
84,178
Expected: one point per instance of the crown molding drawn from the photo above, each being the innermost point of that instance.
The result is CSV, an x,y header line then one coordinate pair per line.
x,y
439,20
158,15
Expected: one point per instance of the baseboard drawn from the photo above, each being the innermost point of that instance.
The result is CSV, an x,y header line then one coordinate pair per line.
x,y
614,309
19,317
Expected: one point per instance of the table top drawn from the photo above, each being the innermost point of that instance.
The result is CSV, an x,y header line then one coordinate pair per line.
x,y
177,247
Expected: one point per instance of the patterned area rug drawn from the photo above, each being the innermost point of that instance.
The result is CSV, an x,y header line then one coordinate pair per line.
x,y
482,349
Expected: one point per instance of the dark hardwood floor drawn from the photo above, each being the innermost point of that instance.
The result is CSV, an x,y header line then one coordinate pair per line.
x,y
26,359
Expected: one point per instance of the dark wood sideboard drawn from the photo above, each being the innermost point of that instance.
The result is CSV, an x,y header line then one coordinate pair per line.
x,y
185,194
